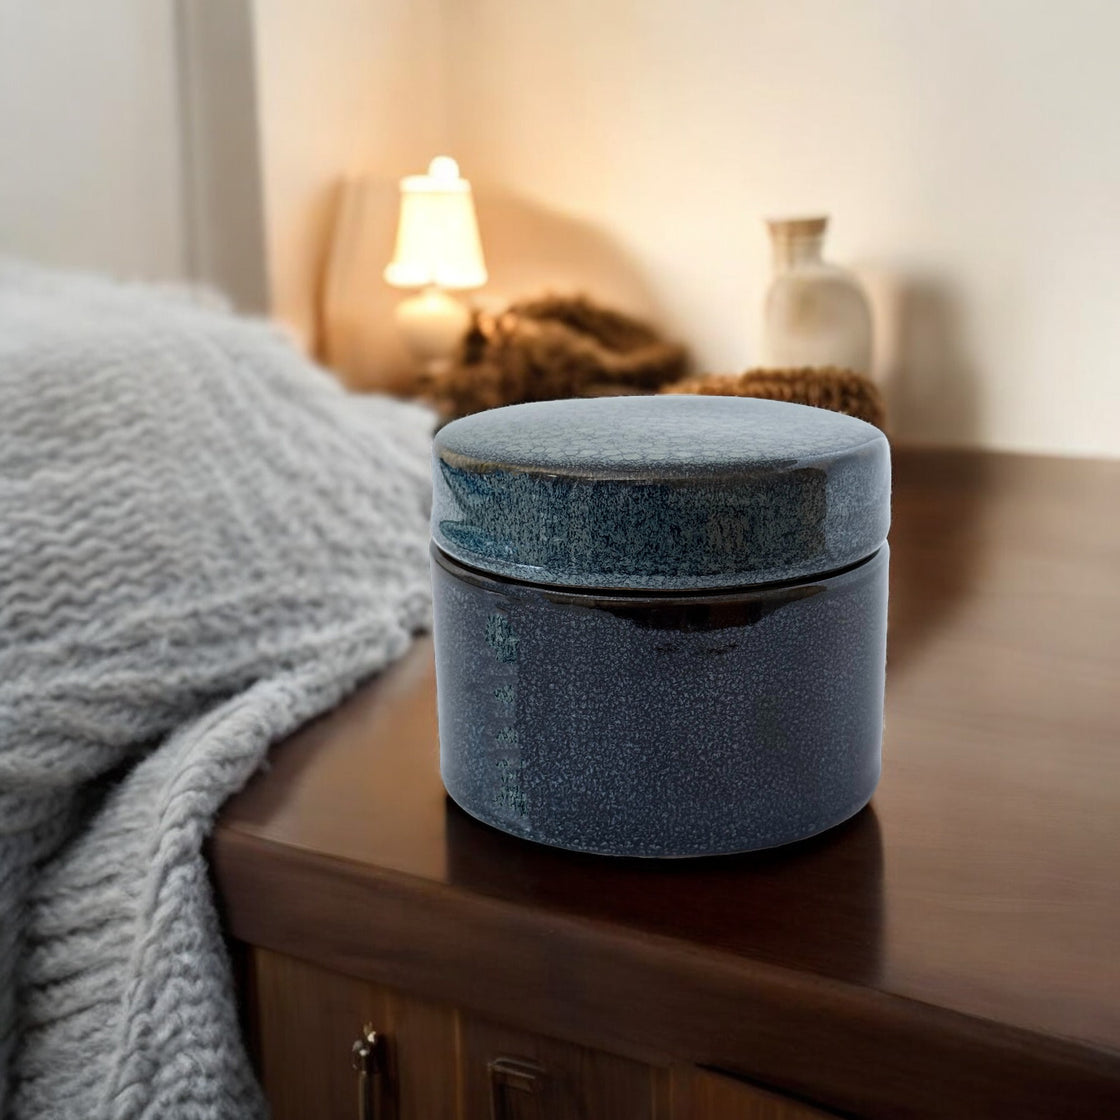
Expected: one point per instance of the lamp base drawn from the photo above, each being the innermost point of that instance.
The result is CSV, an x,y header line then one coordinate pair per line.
x,y
432,324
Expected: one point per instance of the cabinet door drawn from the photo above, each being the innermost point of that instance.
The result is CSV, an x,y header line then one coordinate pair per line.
x,y
700,1095
305,1023
433,1063
513,1075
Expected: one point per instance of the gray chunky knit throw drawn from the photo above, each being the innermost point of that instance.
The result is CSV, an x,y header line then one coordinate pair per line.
x,y
204,542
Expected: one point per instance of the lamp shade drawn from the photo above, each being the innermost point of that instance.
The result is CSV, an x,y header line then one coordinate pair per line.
x,y
437,238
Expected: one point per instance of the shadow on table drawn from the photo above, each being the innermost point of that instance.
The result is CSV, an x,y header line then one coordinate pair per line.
x,y
815,905
937,538
931,385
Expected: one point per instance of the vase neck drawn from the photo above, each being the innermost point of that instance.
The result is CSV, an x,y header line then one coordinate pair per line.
x,y
797,242
795,252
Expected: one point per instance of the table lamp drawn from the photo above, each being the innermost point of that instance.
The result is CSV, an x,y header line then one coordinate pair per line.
x,y
438,250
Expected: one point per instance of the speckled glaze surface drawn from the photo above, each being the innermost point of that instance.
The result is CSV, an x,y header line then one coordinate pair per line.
x,y
660,622
632,725
664,492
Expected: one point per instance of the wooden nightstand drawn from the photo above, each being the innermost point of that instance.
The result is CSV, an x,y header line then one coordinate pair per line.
x,y
950,952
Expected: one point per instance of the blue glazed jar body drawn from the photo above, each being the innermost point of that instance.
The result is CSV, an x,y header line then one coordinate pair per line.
x,y
657,724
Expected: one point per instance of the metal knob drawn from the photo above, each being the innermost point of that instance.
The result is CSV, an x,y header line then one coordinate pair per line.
x,y
365,1057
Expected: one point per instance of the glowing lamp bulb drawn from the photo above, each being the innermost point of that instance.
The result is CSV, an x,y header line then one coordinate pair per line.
x,y
444,169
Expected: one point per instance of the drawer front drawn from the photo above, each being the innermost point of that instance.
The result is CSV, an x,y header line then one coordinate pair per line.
x,y
305,1022
512,1075
424,1061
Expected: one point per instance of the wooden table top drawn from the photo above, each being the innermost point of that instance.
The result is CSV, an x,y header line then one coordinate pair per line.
x,y
970,916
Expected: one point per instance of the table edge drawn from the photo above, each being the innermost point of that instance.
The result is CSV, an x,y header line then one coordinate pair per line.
x,y
845,1046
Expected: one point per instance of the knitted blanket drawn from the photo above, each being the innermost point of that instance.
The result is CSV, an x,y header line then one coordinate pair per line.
x,y
204,542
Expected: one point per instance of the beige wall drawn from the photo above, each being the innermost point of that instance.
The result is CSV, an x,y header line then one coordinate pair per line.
x,y
968,150
345,88
90,170
206,139
222,174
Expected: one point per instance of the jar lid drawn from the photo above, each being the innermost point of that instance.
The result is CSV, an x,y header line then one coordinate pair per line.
x,y
665,492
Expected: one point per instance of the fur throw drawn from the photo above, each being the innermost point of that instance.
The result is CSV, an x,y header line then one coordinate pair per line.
x,y
840,390
556,347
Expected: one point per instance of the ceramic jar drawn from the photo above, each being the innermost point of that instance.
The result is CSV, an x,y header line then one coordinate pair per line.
x,y
816,315
660,622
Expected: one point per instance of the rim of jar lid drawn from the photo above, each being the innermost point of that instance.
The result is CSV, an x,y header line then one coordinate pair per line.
x,y
660,492
654,596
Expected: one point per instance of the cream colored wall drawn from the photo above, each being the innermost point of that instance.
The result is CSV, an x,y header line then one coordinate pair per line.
x,y
90,171
968,151
129,134
344,88
206,139
222,173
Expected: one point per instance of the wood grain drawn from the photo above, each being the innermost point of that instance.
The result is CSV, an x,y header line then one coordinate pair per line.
x,y
440,1062
309,1018
573,1081
962,933
700,1095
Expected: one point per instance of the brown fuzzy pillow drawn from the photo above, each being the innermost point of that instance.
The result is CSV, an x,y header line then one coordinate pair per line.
x,y
556,347
840,390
